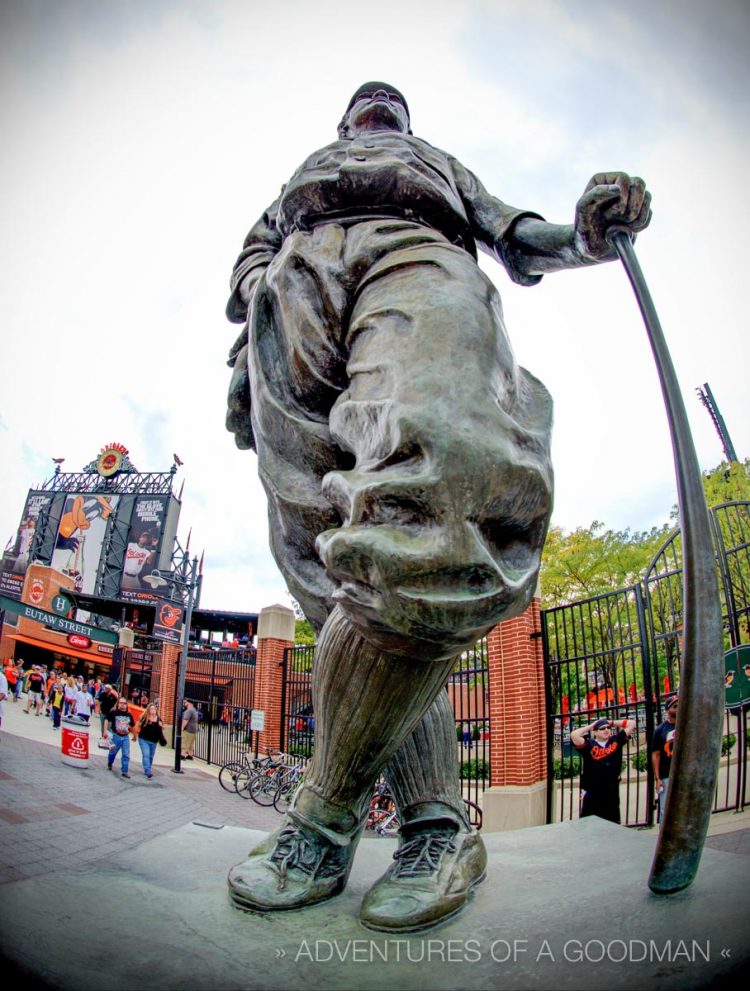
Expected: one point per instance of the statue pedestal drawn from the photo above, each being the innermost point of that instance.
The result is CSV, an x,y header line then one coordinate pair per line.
x,y
564,906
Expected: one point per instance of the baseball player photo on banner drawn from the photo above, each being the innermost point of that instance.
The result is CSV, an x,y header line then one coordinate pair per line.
x,y
144,542
16,555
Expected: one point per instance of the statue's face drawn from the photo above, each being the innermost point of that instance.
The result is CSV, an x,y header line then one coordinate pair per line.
x,y
381,110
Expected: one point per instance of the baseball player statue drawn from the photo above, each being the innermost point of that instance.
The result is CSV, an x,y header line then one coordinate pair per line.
x,y
406,459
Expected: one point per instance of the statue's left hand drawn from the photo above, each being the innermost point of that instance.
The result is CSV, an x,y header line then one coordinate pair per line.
x,y
610,198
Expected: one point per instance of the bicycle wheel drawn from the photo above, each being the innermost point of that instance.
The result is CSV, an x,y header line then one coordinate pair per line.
x,y
286,791
263,788
229,773
244,780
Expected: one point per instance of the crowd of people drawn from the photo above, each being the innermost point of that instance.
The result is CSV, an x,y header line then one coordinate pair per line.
x,y
59,695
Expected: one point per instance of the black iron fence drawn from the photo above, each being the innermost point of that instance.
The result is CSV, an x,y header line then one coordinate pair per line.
x,y
468,690
297,719
618,655
220,684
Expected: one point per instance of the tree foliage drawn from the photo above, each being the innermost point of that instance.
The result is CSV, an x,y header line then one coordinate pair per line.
x,y
591,560
727,482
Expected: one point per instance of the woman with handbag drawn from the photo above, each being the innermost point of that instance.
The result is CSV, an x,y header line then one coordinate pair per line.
x,y
150,732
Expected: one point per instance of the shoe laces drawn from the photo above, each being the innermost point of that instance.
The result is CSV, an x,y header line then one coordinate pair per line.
x,y
422,855
295,851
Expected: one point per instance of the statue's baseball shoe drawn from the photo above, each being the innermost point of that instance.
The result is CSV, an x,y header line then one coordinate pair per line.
x,y
293,867
435,868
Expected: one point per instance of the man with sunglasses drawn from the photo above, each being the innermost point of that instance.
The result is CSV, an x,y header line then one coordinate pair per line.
x,y
601,753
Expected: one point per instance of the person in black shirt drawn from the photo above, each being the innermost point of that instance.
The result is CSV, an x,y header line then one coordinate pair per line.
x,y
121,724
602,762
150,732
106,702
662,746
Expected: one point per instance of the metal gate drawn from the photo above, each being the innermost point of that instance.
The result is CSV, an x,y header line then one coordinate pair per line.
x,y
468,690
618,655
220,684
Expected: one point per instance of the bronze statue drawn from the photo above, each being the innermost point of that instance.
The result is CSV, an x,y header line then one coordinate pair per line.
x,y
406,460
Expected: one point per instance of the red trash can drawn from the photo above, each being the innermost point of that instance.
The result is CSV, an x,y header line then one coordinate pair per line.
x,y
75,744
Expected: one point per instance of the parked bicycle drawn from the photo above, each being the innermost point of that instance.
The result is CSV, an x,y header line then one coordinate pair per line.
x,y
261,784
291,779
232,769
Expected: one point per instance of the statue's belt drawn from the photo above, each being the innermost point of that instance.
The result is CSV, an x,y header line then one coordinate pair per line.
x,y
348,218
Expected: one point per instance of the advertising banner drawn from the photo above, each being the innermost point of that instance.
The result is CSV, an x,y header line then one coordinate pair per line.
x,y
144,547
16,556
80,538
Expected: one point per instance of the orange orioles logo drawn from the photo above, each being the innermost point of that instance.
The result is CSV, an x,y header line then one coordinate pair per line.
x,y
169,616
669,744
599,753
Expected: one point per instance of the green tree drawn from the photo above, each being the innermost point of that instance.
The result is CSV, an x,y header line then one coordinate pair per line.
x,y
592,560
304,635
727,482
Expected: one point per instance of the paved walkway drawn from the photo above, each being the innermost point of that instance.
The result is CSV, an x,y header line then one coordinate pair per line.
x,y
57,817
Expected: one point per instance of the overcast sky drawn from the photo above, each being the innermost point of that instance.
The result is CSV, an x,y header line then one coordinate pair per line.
x,y
142,138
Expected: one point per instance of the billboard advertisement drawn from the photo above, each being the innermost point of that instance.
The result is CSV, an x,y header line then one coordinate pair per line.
x,y
143,554
80,538
16,555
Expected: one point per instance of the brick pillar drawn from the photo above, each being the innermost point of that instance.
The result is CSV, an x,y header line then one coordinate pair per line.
x,y
517,796
275,634
170,663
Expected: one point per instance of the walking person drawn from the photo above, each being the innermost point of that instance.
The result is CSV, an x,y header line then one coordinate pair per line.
x,y
11,676
662,748
57,699
122,726
70,696
19,680
150,732
34,690
106,702
83,705
190,725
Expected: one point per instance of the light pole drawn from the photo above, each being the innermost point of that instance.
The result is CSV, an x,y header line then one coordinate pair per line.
x,y
191,584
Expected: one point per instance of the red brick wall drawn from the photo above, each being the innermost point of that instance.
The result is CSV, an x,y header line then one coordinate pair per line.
x,y
268,682
517,709
169,664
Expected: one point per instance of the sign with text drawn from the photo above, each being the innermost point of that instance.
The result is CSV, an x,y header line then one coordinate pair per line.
x,y
60,624
257,720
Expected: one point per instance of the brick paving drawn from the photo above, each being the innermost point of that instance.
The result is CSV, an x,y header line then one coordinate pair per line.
x,y
54,817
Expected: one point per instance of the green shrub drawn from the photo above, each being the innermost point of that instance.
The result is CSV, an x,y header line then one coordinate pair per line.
x,y
727,744
299,750
568,767
639,761
475,769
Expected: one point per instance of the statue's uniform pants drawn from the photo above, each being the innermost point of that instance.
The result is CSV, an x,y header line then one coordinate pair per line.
x,y
406,460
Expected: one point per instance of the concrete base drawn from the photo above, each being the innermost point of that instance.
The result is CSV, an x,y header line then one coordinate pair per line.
x,y
511,807
564,906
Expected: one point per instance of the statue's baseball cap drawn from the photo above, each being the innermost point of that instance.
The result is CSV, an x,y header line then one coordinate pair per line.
x,y
367,89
